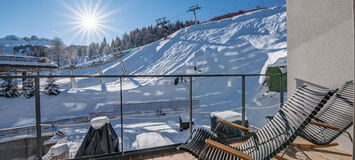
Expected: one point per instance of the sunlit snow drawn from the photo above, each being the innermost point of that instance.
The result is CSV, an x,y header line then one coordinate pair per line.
x,y
242,44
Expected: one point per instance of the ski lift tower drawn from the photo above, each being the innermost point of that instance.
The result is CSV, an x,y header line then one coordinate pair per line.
x,y
193,9
162,22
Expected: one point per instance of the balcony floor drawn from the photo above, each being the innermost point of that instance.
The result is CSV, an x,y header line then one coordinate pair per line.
x,y
330,153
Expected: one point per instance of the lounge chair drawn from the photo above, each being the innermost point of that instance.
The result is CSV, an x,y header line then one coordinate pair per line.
x,y
336,118
332,121
196,142
265,143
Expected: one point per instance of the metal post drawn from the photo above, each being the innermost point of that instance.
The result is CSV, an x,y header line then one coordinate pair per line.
x,y
23,77
281,90
121,108
243,102
72,79
122,66
193,9
190,105
15,81
38,119
101,73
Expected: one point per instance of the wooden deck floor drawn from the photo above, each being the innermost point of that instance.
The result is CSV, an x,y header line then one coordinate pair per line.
x,y
329,153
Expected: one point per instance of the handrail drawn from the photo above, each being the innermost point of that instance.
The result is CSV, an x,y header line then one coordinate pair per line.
x,y
139,76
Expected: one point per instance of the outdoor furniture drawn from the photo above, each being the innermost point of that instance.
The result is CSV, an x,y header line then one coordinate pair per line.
x,y
265,143
332,121
184,124
225,131
337,117
196,142
100,139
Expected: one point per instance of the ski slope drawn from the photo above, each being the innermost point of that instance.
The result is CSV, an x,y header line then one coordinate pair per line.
x,y
243,44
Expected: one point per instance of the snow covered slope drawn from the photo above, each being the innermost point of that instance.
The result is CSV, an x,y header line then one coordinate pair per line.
x,y
242,44
11,41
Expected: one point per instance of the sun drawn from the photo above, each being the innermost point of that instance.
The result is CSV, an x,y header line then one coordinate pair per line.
x,y
88,21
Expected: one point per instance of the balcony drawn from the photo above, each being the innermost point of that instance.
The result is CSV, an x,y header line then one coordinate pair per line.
x,y
128,122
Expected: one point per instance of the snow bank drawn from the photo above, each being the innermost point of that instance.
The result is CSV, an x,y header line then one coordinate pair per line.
x,y
229,116
62,150
59,149
149,140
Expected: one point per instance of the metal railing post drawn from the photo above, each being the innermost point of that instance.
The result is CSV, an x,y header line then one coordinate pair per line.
x,y
243,102
99,68
38,119
190,105
281,90
121,108
72,79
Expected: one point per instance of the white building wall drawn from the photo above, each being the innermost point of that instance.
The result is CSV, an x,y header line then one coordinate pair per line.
x,y
320,41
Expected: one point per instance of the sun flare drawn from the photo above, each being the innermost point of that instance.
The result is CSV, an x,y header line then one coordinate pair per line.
x,y
88,21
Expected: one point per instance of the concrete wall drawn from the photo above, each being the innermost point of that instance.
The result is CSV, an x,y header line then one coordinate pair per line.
x,y
320,43
22,148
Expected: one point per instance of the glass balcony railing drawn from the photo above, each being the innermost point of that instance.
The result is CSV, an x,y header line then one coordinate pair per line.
x,y
145,110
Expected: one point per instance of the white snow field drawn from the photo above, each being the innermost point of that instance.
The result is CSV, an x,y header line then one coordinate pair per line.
x,y
243,44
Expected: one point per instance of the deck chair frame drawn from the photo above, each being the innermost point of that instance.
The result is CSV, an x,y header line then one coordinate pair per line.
x,y
277,134
336,117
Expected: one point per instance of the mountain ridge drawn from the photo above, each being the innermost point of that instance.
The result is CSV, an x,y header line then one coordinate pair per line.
x,y
10,41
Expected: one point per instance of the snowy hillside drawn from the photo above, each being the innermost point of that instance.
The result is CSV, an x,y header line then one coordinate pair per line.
x,y
11,41
243,44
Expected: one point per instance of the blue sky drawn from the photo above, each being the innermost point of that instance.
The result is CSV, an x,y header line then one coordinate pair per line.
x,y
52,18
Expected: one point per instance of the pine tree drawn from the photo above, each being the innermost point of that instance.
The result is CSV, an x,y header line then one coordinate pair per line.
x,y
112,44
51,88
57,49
93,50
103,47
146,35
80,52
27,88
9,89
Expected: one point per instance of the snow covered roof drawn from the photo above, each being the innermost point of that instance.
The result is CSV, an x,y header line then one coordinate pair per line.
x,y
28,64
19,58
13,61
230,116
279,62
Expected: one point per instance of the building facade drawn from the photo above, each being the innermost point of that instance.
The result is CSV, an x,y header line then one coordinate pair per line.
x,y
320,45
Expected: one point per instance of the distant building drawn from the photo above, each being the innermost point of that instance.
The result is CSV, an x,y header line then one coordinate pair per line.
x,y
12,63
